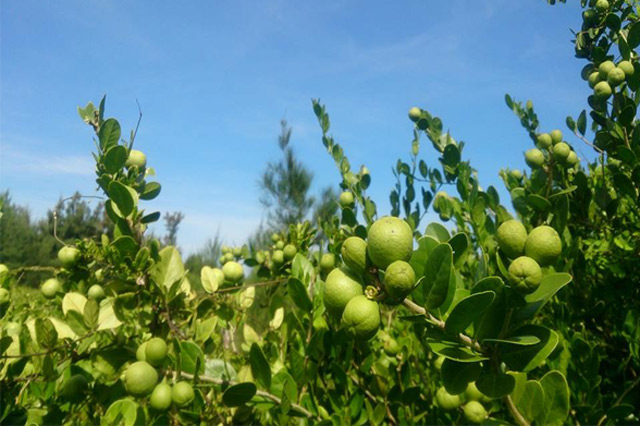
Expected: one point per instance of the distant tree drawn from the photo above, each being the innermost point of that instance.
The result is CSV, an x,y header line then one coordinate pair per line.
x,y
207,256
172,223
19,237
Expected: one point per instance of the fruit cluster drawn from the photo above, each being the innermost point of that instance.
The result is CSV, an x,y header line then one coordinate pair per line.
x,y
556,148
470,401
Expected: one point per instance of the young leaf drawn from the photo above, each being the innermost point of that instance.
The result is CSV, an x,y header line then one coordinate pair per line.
x,y
556,399
46,333
260,366
299,294
437,273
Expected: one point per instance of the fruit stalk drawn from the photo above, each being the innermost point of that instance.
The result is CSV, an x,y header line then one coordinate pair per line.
x,y
519,418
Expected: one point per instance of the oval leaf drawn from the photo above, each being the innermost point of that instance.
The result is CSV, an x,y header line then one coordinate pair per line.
x,y
467,310
239,394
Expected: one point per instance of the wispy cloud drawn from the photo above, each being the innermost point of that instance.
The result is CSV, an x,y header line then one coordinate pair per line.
x,y
44,163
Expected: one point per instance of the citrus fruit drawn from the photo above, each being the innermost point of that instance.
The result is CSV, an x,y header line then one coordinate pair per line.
x,y
275,237
96,292
140,378
279,245
225,249
525,274
474,412
3,268
155,351
399,279
229,257
182,394
391,347
354,254
161,397
390,239
446,401
68,256
327,262
604,69
414,114
534,158
602,91
511,237
233,272
543,245
616,77
236,251
50,288
556,136
561,151
136,159
361,318
141,353
602,5
473,394
544,140
289,252
572,159
516,174
74,387
626,67
278,257
346,200
339,288
594,78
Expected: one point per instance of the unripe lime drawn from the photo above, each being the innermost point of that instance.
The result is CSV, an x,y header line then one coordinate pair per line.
x,y
556,136
3,269
96,292
525,274
275,238
604,69
50,288
572,159
399,279
361,318
602,91
327,262
602,5
68,256
278,257
141,353
140,378
511,237
616,77
289,252
391,347
414,114
390,239
74,387
182,394
340,287
161,397
236,251
229,257
156,351
279,245
626,67
589,16
346,200
473,394
544,140
594,78
516,174
354,254
136,159
561,151
543,245
225,249
474,412
446,401
233,272
534,158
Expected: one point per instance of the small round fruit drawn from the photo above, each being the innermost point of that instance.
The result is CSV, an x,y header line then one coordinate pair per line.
x,y
136,159
473,394
161,397
141,353
278,258
399,279
68,256
594,78
289,252
561,151
354,254
626,67
602,5
96,292
446,401
229,257
361,318
602,91
50,288
525,274
275,238
279,245
340,287
414,114
156,351
516,174
327,262
616,77
233,272
236,251
543,245
74,387
544,140
140,378
346,200
225,249
572,159
389,239
3,269
474,412
182,394
391,347
534,158
556,136
604,69
511,237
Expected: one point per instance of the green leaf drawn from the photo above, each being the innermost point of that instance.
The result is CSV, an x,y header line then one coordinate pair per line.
x,y
209,279
150,218
556,399
549,286
260,366
107,319
438,232
531,401
496,385
151,191
299,294
467,310
526,358
302,269
454,351
582,122
126,246
239,394
75,320
494,284
109,134
91,312
459,243
437,273
538,203
571,124
221,370
73,301
457,375
87,113
46,333
421,254
115,158
169,269
205,328
633,38
516,340
190,354
122,196
5,342
122,412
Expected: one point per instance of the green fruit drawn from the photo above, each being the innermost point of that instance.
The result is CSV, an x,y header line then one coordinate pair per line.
x,y
140,378
233,272
391,347
544,140
361,318
534,158
340,287
602,5
278,257
511,237
346,200
279,245
141,353
236,251
161,397
516,174
50,288
473,394
136,159
156,351
594,78
399,279
5,296
275,238
182,394
525,274
3,269
289,252
589,16
474,412
229,257
390,239
96,292
415,114
446,401
602,91
543,245
556,136
225,249
561,151
604,69
616,77
572,159
354,254
68,256
327,262
626,67
74,387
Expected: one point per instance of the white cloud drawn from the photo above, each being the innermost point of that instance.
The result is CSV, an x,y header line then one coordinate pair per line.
x,y
44,163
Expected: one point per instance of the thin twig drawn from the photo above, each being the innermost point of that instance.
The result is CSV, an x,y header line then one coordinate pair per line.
x,y
519,418
585,140
620,399
258,284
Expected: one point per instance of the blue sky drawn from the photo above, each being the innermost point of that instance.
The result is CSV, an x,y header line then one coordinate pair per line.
x,y
214,79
